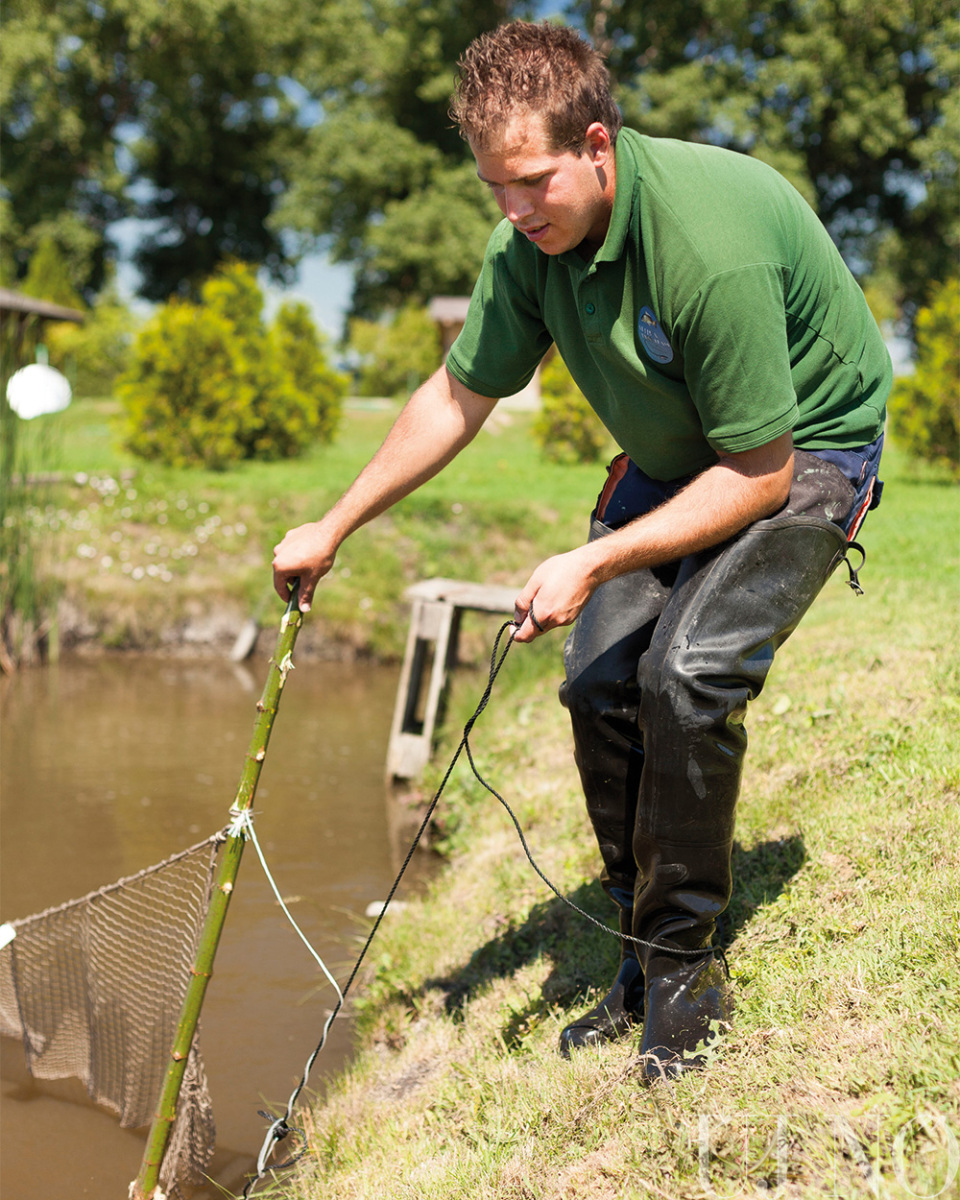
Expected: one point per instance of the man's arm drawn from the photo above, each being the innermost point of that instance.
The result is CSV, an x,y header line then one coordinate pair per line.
x,y
737,490
439,419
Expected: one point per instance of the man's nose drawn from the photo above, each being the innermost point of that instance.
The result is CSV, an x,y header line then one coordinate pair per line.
x,y
517,204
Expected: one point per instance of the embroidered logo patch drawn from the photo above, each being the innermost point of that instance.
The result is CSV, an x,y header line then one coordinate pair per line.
x,y
653,338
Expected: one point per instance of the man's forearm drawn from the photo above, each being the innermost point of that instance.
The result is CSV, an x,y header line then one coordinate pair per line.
x,y
713,507
717,504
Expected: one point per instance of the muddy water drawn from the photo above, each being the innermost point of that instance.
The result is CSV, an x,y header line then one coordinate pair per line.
x,y
108,766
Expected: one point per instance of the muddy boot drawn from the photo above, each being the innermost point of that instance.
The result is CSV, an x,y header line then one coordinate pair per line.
x,y
619,1010
731,608
689,1000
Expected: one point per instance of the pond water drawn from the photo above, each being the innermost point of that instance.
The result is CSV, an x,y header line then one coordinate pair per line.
x,y
110,765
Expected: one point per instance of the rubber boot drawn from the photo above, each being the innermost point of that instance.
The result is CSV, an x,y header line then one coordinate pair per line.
x,y
619,1010
731,609
602,695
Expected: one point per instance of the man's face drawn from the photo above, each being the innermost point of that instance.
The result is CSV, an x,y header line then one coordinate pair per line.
x,y
556,198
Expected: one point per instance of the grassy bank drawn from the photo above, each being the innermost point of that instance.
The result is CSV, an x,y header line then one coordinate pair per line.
x,y
842,1075
149,556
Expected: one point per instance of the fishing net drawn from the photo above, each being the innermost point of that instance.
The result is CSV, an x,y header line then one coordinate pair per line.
x,y
94,988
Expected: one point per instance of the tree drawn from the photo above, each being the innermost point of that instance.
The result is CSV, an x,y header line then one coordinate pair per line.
x,y
60,112
174,113
383,180
214,123
49,276
853,100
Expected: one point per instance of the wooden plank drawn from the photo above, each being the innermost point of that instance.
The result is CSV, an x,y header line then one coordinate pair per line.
x,y
478,597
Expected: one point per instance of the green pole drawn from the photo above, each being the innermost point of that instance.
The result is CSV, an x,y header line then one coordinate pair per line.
x,y
145,1186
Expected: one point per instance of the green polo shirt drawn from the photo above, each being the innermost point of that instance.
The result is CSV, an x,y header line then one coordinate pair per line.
x,y
716,316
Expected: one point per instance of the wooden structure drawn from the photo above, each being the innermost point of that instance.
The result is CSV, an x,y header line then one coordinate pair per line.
x,y
27,310
430,655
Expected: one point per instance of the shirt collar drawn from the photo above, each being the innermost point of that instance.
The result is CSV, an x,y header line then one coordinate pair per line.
x,y
628,179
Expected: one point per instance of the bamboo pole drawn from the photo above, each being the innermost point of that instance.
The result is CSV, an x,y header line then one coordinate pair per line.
x,y
146,1185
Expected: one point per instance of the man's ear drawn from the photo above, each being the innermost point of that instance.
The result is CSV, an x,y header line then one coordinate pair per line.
x,y
597,144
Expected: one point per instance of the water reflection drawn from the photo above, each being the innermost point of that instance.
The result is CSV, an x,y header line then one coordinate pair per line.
x,y
113,764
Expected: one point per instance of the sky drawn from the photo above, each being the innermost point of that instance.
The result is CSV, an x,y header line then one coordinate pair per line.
x,y
325,286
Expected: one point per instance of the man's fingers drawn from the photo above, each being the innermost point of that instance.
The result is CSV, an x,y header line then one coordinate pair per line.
x,y
308,585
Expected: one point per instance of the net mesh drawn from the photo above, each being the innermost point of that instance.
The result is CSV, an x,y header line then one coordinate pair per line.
x,y
94,988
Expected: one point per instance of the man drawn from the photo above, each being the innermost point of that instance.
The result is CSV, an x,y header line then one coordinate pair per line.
x,y
709,320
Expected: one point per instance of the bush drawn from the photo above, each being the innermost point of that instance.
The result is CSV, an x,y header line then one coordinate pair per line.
x,y
396,358
211,385
567,429
95,354
300,350
925,406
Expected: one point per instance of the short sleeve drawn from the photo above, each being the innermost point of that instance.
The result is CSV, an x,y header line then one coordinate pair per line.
x,y
504,336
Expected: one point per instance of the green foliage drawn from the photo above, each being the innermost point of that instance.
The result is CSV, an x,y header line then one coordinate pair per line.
x,y
256,120
49,277
93,354
210,385
396,356
383,180
857,104
925,406
197,82
300,349
566,429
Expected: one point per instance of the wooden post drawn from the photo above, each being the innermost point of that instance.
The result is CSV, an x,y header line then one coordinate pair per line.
x,y
434,620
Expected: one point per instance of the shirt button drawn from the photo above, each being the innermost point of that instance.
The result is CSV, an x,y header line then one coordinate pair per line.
x,y
591,309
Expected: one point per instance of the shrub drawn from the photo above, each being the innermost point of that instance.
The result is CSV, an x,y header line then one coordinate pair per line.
x,y
300,350
567,429
93,355
49,277
925,406
211,385
395,358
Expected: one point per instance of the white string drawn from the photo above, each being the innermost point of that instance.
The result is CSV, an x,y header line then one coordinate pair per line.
x,y
242,824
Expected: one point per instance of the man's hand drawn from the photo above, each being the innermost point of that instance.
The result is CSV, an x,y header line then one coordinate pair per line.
x,y
306,553
717,504
555,594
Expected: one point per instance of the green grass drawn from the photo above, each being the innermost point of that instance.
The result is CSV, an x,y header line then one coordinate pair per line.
x,y
842,1074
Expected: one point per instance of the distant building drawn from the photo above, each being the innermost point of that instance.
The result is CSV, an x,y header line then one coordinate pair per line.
x,y
450,313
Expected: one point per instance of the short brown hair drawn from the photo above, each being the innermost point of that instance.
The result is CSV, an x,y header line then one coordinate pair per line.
x,y
524,67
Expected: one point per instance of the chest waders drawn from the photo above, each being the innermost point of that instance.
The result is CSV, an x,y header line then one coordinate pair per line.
x,y
660,668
